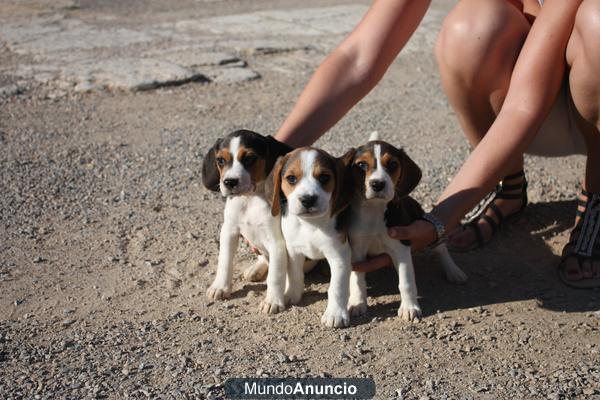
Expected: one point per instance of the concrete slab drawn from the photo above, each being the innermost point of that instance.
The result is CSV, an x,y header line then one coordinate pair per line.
x,y
132,74
46,36
62,47
302,22
233,75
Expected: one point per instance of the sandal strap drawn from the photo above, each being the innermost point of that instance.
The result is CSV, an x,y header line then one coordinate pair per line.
x,y
516,175
569,251
479,213
504,187
491,222
478,234
497,212
590,227
580,203
509,196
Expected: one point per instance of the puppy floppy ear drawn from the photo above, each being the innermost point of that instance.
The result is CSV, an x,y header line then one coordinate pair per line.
x,y
410,175
273,186
210,172
344,183
275,149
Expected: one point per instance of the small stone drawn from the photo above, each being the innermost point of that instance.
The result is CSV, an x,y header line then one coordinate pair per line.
x,y
235,75
38,260
10,90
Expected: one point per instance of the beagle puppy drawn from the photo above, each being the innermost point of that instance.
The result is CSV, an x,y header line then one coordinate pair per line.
x,y
312,190
237,166
383,177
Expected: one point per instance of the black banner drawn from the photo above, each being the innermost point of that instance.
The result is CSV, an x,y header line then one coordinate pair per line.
x,y
292,388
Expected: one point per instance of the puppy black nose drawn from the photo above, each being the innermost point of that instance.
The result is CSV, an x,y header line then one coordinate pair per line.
x,y
230,183
308,201
377,186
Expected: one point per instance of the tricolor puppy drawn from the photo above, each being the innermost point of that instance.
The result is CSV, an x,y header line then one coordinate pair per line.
x,y
312,191
237,166
383,178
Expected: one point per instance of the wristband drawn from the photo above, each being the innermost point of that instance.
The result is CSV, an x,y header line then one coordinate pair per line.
x,y
438,225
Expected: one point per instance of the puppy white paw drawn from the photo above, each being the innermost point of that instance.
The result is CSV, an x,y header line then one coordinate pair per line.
x,y
409,312
257,272
357,309
292,298
218,293
456,276
335,318
271,307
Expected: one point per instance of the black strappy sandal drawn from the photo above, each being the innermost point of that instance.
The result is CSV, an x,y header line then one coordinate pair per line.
x,y
503,191
584,242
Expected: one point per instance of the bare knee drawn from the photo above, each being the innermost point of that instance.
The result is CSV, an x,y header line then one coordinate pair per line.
x,y
479,37
583,56
583,43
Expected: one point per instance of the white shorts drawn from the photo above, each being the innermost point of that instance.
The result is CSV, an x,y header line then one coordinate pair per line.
x,y
559,135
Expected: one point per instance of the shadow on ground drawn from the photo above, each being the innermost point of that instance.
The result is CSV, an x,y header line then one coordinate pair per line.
x,y
519,264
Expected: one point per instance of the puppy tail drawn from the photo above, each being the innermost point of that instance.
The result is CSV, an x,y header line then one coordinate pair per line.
x,y
374,136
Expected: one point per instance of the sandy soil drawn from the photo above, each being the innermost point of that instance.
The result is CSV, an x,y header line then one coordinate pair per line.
x,y
108,242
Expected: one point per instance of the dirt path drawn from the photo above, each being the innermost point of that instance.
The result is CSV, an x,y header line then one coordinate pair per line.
x,y
108,240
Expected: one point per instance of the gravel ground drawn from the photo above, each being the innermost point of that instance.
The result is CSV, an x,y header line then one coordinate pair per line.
x,y
108,242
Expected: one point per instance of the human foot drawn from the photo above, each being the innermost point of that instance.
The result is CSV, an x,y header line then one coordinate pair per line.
x,y
509,198
580,265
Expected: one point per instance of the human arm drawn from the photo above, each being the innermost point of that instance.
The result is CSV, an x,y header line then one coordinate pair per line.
x,y
535,82
352,69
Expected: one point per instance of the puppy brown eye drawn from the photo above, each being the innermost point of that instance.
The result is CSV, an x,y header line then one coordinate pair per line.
x,y
324,178
362,165
220,161
247,161
392,165
291,179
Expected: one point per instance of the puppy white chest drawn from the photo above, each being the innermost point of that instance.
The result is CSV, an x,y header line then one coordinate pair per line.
x,y
308,238
252,216
367,229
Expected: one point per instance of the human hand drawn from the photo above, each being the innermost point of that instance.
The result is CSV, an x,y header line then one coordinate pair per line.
x,y
372,264
420,234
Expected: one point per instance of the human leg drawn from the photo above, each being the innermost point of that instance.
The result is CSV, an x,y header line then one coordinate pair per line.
x,y
581,256
476,51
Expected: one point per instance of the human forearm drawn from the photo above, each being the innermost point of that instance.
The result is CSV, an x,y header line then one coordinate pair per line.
x,y
332,91
352,70
486,166
535,82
